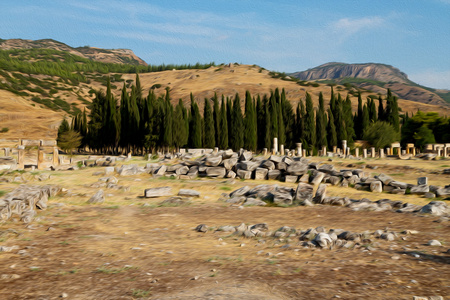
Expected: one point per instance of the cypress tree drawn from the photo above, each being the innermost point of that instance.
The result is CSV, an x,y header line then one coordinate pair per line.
x,y
134,119
331,130
261,130
339,120
365,118
195,125
179,126
281,126
209,137
63,128
267,128
380,109
348,119
372,111
289,120
358,119
301,113
223,142
237,125
125,119
310,124
250,134
216,115
273,117
321,124
168,121
394,117
138,88
229,112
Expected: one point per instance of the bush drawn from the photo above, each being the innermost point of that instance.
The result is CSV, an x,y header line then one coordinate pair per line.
x,y
4,129
380,134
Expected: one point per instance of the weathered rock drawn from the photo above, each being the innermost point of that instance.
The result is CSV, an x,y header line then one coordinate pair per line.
x,y
282,166
201,228
320,194
188,193
227,154
173,168
291,178
398,184
128,170
376,187
327,168
254,202
217,172
261,174
275,158
173,201
262,191
240,192
213,160
274,174
318,178
182,170
161,171
229,163
297,168
282,196
420,189
246,156
98,197
304,178
304,192
422,181
434,243
385,179
268,164
247,165
158,192
243,174
429,195
443,191
323,240
236,200
334,180
231,174
436,208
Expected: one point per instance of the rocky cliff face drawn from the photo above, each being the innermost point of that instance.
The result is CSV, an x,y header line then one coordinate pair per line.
x,y
120,56
378,78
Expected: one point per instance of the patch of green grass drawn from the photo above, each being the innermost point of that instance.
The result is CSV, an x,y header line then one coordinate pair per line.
x,y
444,166
167,178
298,270
35,269
397,174
2,193
360,163
64,243
225,188
138,293
113,207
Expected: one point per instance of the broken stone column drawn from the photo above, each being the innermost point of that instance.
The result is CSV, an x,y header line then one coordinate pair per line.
x,y
282,149
348,151
20,158
265,151
216,150
324,151
365,153
344,147
381,153
299,149
40,159
357,152
304,153
55,156
7,151
414,151
334,149
275,145
388,151
372,152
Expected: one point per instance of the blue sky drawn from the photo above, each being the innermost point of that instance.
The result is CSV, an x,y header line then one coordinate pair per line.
x,y
283,35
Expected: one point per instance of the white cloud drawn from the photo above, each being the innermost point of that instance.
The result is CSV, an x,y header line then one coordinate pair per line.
x,y
432,78
346,26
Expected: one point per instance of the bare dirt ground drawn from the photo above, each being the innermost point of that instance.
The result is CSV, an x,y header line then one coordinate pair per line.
x,y
132,247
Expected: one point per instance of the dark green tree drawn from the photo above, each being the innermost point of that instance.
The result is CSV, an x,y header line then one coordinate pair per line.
x,y
209,133
310,124
321,124
331,130
195,125
223,142
380,134
250,133
236,134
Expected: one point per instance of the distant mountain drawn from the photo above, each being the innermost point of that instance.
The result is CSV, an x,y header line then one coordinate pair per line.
x,y
117,56
376,78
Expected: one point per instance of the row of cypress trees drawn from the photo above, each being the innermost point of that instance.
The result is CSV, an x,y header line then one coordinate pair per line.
x,y
141,123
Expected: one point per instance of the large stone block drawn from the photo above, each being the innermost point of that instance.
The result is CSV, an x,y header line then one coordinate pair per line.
x,y
229,163
376,186
244,174
274,174
158,192
297,168
213,160
304,192
261,174
218,172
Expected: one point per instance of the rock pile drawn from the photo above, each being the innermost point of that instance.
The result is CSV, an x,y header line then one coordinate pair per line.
x,y
309,238
303,195
25,200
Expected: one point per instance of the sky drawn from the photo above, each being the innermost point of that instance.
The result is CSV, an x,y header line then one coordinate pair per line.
x,y
283,35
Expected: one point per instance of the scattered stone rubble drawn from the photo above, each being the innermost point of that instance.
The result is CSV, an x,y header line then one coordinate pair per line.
x,y
303,195
25,200
318,237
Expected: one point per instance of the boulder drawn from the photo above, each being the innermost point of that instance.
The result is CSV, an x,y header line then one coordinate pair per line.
x,y
318,178
326,168
376,187
229,163
240,192
161,171
213,160
158,192
297,168
420,189
227,154
231,174
398,184
436,208
290,178
243,174
268,164
254,202
218,172
304,192
182,170
275,158
247,165
282,196
246,156
320,194
127,170
173,168
334,180
201,228
323,240
282,166
385,179
188,193
261,174
262,191
274,174
443,191
304,178
98,197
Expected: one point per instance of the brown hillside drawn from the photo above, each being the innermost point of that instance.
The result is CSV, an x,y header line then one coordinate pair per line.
x,y
25,118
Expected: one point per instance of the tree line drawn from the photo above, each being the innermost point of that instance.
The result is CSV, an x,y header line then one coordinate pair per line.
x,y
143,124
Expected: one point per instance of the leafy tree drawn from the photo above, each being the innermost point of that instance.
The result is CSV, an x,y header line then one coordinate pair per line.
x,y
69,140
424,136
63,128
380,134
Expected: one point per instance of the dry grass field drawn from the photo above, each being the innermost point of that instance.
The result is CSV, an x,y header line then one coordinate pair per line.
x,y
130,247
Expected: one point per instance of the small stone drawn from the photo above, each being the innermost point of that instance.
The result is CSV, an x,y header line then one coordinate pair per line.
x,y
64,295
434,243
395,257
195,278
